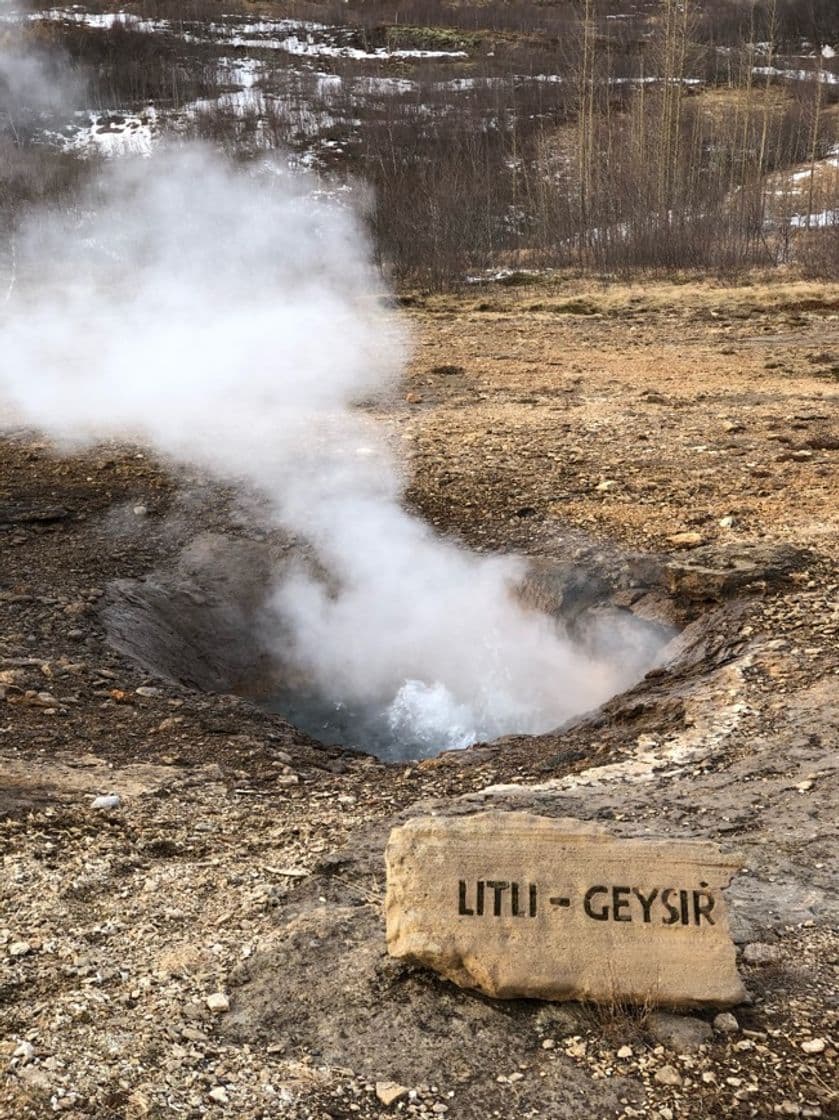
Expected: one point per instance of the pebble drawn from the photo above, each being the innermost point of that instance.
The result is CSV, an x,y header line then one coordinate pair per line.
x,y
681,1033
606,485
219,1095
667,1075
814,1046
548,1044
25,1051
148,690
19,948
686,540
106,801
726,1023
390,1091
218,1001
758,952
625,1052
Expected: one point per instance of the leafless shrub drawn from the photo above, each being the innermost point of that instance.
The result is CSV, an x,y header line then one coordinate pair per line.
x,y
569,138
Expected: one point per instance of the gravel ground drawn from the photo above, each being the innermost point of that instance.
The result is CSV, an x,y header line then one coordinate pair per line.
x,y
213,943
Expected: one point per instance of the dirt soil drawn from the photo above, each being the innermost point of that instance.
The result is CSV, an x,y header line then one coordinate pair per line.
x,y
681,441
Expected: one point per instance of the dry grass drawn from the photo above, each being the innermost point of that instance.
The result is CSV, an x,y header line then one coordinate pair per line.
x,y
568,293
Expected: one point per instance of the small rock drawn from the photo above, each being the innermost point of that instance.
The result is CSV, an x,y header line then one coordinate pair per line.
x,y
686,540
681,1033
625,1052
106,801
25,1051
814,1046
726,522
606,485
19,948
726,1023
148,690
43,700
758,952
390,1091
219,1095
140,511
667,1075
548,1044
218,1001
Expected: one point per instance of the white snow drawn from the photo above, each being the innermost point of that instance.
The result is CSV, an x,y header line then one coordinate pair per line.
x,y
824,219
797,75
242,72
100,20
302,38
109,134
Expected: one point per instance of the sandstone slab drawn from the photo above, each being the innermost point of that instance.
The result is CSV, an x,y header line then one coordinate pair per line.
x,y
513,904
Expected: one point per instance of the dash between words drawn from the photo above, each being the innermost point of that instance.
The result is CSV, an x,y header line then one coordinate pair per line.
x,y
666,906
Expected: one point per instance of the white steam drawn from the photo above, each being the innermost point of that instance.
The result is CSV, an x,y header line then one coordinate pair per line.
x,y
33,78
227,319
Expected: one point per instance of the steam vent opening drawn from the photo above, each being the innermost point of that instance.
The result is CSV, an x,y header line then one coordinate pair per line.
x,y
205,624
392,732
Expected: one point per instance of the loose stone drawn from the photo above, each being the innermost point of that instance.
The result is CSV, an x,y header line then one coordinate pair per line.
x,y
390,1091
726,1023
218,1001
757,952
681,1033
814,1046
25,1051
106,801
686,540
667,1075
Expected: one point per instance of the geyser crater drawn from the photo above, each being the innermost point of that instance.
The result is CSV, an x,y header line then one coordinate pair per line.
x,y
208,623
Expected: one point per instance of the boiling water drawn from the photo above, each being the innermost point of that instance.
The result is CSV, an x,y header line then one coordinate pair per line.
x,y
419,722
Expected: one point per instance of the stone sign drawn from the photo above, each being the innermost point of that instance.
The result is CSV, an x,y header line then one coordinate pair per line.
x,y
514,904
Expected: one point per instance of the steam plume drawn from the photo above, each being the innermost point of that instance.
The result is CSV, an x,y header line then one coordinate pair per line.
x,y
33,77
226,319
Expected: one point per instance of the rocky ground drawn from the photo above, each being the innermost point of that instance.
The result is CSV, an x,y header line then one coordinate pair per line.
x,y
213,943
